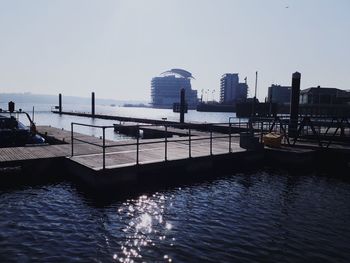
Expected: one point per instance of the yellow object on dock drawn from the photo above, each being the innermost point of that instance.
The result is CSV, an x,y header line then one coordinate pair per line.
x,y
272,140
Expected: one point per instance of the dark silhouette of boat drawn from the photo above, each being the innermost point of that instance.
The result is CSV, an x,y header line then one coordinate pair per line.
x,y
13,133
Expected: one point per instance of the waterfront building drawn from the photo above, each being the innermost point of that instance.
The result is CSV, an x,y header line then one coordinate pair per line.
x,y
318,101
279,94
325,96
231,90
165,89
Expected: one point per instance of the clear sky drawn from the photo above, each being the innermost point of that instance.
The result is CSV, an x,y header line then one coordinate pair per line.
x,y
115,47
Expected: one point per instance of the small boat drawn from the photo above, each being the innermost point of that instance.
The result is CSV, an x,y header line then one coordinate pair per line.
x,y
13,133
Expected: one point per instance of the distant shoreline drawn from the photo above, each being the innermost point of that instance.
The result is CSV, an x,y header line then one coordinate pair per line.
x,y
53,99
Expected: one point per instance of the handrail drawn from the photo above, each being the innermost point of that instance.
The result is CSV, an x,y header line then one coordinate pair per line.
x,y
157,141
260,127
92,125
189,139
318,128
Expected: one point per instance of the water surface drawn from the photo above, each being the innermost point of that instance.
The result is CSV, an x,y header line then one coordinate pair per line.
x,y
267,215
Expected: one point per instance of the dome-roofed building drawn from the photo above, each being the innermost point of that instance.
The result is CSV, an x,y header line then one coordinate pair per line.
x,y
165,89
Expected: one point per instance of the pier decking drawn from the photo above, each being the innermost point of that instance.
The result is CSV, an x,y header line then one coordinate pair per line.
x,y
154,153
120,150
62,148
103,163
88,159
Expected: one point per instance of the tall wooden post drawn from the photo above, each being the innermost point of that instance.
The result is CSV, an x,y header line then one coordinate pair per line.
x,y
182,106
294,105
60,103
93,104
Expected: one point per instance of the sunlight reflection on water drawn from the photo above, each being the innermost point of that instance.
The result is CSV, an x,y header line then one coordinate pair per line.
x,y
147,226
269,216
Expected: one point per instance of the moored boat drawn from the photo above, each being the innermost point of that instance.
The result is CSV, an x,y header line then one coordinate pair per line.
x,y
13,133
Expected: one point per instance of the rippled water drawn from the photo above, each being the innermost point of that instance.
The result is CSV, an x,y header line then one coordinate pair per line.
x,y
269,216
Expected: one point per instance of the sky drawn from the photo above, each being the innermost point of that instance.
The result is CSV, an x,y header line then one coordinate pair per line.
x,y
115,47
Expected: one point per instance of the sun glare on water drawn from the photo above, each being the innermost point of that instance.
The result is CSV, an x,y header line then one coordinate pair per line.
x,y
146,226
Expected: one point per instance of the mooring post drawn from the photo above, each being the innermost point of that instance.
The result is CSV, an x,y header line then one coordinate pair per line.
x,y
72,139
166,143
104,147
294,105
137,143
182,106
189,142
60,103
211,139
229,138
93,104
33,114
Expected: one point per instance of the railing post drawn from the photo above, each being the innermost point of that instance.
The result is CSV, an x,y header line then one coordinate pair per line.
x,y
211,140
166,144
104,147
189,142
137,143
72,138
262,131
229,139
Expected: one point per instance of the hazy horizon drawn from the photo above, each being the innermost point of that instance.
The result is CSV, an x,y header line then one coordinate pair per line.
x,y
116,47
27,97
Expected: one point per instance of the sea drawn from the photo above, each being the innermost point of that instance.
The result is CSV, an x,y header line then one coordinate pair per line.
x,y
262,215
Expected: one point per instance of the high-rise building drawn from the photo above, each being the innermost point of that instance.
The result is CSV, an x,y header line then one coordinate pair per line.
x,y
231,90
165,89
279,94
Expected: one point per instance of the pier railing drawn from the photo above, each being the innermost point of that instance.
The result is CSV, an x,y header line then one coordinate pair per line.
x,y
189,139
325,131
322,131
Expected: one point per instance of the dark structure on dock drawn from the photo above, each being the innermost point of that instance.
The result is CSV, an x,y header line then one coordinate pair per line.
x,y
319,101
294,105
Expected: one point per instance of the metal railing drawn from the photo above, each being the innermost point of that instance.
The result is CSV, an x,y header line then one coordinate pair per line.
x,y
190,138
257,126
324,131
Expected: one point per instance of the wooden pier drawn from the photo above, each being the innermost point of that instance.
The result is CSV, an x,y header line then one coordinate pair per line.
x,y
102,163
115,118
128,122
